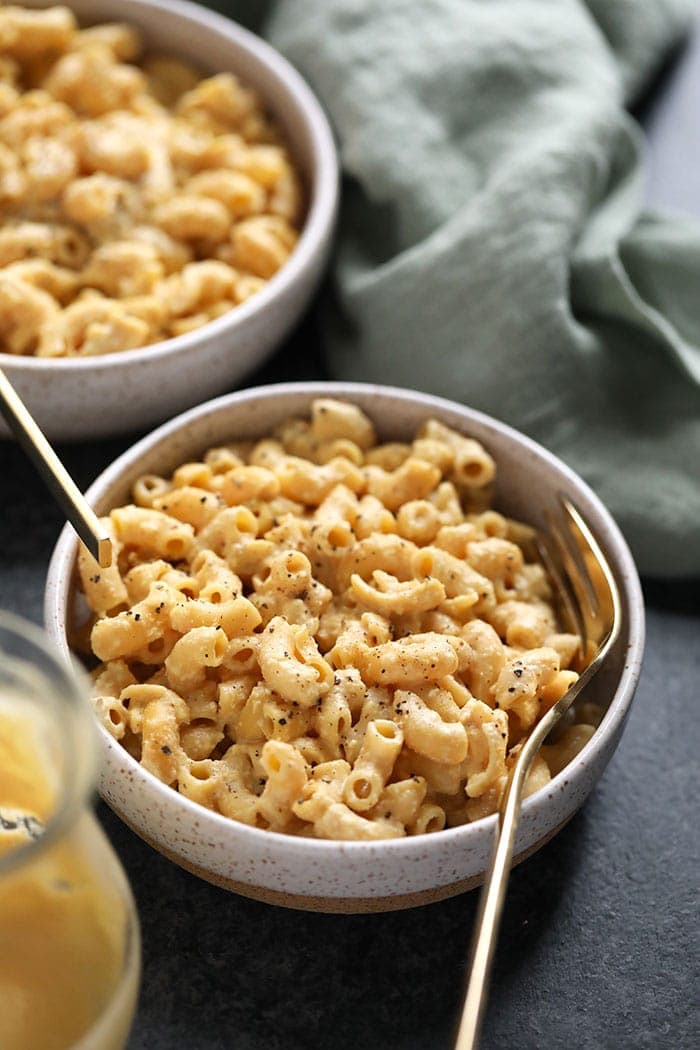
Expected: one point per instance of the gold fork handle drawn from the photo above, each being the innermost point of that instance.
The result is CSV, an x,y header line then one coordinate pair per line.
x,y
54,474
490,908
494,889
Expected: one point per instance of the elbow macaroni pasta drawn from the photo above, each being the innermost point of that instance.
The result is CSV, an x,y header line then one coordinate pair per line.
x,y
138,202
281,646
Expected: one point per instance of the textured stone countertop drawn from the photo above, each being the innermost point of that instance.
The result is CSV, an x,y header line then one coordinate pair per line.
x,y
599,944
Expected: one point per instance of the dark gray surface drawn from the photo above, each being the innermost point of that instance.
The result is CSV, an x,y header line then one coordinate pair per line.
x,y
599,942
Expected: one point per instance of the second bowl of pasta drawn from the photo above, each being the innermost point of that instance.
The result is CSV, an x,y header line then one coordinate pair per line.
x,y
168,193
324,635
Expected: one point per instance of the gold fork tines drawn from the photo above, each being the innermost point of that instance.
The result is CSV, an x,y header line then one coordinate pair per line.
x,y
588,591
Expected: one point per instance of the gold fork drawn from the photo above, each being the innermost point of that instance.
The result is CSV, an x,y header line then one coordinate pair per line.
x,y
590,598
55,476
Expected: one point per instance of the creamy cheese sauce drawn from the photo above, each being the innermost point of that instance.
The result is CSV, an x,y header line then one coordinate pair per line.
x,y
63,930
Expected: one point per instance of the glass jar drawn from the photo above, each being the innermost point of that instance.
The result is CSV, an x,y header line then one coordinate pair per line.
x,y
69,936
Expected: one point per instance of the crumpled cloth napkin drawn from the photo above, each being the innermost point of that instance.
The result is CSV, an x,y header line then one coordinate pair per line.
x,y
492,247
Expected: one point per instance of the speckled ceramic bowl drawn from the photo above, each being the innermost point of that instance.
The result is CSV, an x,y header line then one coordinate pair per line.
x,y
355,876
78,398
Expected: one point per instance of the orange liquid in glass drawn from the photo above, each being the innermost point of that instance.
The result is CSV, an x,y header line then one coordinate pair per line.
x,y
62,914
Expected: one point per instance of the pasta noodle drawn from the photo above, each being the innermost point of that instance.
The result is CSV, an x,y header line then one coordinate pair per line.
x,y
137,202
282,647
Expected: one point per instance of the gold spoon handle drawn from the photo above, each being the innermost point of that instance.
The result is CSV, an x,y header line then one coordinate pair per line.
x,y
54,474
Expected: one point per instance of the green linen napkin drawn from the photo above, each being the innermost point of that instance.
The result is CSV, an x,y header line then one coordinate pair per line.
x,y
491,246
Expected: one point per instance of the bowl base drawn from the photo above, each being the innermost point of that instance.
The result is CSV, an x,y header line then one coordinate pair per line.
x,y
335,905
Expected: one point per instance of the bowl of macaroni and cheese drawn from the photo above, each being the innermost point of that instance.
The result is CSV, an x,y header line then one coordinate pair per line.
x,y
326,632
168,191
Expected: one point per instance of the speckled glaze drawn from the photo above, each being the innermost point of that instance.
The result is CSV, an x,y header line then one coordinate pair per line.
x,y
356,876
78,398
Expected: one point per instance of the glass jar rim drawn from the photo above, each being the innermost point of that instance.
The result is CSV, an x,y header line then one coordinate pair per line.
x,y
68,686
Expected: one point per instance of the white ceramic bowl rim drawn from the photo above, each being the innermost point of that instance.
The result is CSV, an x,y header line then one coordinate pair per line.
x,y
628,578
322,204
